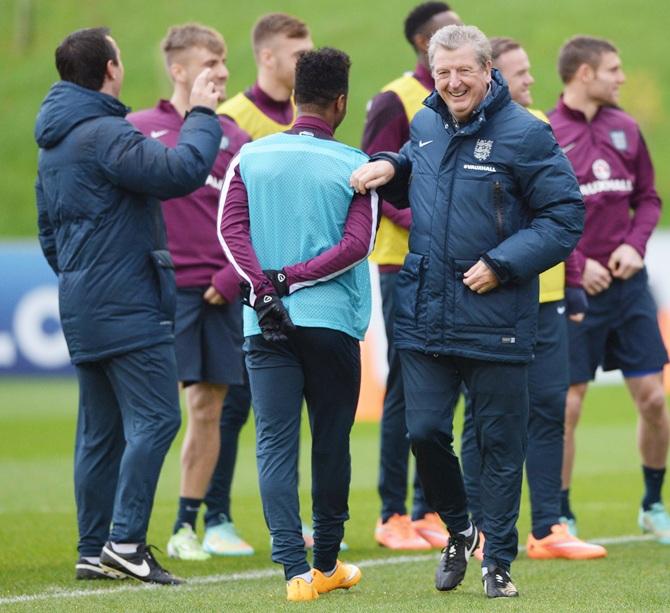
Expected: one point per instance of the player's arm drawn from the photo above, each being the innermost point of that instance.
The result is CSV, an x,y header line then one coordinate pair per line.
x,y
46,231
628,258
645,202
235,236
576,301
225,287
234,233
358,239
549,188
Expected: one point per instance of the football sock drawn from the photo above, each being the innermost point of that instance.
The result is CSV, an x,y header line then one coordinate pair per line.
x,y
653,482
565,504
125,548
306,576
188,512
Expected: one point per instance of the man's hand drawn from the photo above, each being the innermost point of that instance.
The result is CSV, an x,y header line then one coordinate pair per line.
x,y
371,176
596,278
480,278
213,297
624,262
279,281
204,91
273,318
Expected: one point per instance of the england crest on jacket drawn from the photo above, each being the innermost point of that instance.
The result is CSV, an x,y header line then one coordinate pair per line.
x,y
483,149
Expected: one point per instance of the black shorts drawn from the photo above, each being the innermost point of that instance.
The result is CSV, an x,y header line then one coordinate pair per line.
x,y
620,332
208,340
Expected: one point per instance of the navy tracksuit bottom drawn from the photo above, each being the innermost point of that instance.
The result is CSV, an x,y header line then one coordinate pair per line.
x,y
323,366
499,400
128,416
547,388
394,454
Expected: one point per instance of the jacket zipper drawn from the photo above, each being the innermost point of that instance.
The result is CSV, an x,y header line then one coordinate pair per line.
x,y
498,204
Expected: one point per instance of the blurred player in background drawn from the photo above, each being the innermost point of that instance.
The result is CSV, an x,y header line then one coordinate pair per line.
x,y
208,324
265,108
620,331
387,129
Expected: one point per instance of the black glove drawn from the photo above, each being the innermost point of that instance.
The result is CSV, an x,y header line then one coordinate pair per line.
x,y
245,293
273,318
576,301
279,281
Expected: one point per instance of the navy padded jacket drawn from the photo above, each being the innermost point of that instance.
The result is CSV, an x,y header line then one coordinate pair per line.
x,y
497,188
99,186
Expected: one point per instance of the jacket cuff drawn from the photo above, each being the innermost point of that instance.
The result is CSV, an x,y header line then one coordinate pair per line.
x,y
201,109
502,275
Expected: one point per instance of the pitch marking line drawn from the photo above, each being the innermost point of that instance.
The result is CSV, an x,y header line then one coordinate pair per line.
x,y
251,575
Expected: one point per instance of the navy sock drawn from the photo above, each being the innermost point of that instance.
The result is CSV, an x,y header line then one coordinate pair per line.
x,y
653,482
565,504
188,512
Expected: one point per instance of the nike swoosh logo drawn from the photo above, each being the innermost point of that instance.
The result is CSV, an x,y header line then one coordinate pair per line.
x,y
560,310
158,133
141,570
569,147
423,143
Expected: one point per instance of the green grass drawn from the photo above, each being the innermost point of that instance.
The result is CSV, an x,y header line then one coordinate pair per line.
x,y
38,531
371,32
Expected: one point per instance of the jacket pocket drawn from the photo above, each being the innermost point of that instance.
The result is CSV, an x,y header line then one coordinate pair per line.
x,y
495,311
164,267
407,286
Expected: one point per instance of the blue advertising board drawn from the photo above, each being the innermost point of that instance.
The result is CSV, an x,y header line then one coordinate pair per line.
x,y
31,338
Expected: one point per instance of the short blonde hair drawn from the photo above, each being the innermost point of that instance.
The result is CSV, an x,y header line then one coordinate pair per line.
x,y
180,38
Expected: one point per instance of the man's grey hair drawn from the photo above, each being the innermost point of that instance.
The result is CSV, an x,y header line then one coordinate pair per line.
x,y
454,37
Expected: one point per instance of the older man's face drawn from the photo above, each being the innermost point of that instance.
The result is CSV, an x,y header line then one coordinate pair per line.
x,y
460,80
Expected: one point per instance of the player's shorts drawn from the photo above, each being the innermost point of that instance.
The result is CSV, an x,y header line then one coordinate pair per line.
x,y
208,340
620,332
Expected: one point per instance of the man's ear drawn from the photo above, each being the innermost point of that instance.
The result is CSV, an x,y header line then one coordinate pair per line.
x,y
585,73
266,57
176,71
421,42
341,103
111,70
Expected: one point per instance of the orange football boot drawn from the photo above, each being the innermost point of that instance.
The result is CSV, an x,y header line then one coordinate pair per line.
x,y
344,577
398,533
431,528
561,544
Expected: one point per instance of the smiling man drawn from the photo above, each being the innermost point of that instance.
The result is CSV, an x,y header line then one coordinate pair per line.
x,y
620,331
494,203
547,376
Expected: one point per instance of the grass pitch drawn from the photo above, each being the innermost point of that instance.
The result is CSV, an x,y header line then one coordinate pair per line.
x,y
38,531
